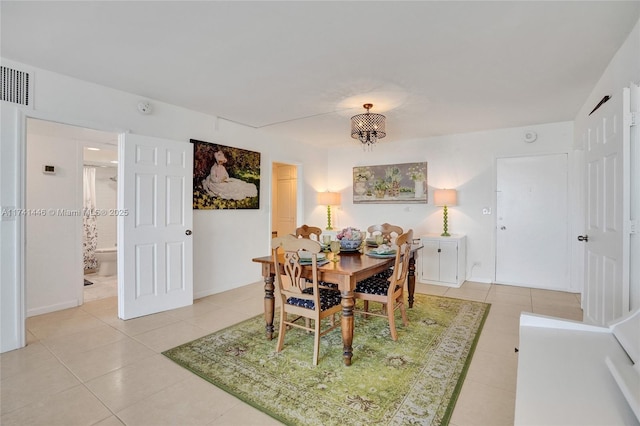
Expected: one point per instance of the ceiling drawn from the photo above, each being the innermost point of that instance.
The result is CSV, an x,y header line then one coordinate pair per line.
x,y
301,69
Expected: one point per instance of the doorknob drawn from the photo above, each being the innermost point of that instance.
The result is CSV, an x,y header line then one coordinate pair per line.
x,y
584,238
188,232
502,228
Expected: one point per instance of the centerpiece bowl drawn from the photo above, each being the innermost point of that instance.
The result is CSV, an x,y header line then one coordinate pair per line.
x,y
350,238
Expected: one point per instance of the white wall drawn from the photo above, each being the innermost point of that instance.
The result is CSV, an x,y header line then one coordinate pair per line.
x,y
623,69
53,256
465,162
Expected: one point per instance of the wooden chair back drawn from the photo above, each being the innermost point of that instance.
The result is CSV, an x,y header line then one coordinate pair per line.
x,y
306,231
388,231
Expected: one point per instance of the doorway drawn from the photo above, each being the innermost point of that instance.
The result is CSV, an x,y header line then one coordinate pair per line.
x,y
284,199
54,270
532,222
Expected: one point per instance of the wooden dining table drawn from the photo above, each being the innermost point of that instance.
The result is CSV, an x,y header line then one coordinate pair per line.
x,y
350,268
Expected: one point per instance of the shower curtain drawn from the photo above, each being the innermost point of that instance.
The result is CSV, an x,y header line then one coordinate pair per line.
x,y
89,219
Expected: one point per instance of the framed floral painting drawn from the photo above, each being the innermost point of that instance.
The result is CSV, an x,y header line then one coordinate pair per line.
x,y
393,183
225,177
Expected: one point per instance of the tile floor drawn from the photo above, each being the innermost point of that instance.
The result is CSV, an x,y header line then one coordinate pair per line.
x,y
101,288
84,366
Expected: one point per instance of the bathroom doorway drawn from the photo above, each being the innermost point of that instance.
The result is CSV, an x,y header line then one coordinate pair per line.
x,y
100,195
54,214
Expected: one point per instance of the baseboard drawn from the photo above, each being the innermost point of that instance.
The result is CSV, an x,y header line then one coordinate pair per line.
x,y
52,308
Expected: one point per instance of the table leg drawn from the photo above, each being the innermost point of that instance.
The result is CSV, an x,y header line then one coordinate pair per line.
x,y
347,326
411,279
269,304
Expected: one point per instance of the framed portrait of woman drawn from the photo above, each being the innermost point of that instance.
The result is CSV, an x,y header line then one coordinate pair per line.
x,y
225,177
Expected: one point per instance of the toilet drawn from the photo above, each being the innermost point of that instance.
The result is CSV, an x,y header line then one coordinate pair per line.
x,y
107,261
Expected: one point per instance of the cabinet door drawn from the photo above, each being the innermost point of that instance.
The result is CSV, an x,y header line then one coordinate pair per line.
x,y
430,260
449,261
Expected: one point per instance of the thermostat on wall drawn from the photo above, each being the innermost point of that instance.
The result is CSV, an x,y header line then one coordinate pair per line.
x,y
48,170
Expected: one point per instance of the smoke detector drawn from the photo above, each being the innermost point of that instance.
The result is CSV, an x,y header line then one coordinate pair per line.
x,y
530,136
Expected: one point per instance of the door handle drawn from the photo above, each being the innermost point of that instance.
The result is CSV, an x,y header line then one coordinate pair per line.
x,y
188,232
584,238
502,228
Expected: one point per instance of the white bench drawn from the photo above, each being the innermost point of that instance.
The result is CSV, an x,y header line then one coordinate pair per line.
x,y
571,373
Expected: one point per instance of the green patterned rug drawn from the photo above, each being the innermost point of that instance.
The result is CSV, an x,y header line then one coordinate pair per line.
x,y
415,380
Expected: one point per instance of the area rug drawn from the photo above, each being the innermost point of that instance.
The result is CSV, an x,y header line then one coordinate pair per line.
x,y
414,380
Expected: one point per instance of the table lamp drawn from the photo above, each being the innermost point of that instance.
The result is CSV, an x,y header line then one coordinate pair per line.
x,y
444,198
329,199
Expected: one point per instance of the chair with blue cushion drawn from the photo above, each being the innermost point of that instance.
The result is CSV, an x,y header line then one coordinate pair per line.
x,y
302,299
387,287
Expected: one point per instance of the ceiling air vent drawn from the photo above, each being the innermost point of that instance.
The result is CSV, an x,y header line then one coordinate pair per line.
x,y
15,86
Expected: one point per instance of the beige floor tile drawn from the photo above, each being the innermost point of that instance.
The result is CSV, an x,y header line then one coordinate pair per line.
x,y
479,295
189,402
497,342
438,290
574,314
133,383
556,296
511,289
141,325
34,355
109,421
494,370
100,305
50,326
499,323
483,405
170,336
474,285
521,300
221,318
83,341
75,406
103,359
199,307
34,385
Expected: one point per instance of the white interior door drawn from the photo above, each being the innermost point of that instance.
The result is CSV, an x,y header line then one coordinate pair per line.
x,y
155,253
285,199
606,290
532,222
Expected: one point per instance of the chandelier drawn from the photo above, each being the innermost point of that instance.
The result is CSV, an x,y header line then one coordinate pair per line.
x,y
367,127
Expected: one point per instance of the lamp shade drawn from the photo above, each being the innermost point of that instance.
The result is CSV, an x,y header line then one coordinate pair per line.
x,y
445,197
329,198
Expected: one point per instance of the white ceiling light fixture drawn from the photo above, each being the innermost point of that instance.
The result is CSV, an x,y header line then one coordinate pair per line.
x,y
368,127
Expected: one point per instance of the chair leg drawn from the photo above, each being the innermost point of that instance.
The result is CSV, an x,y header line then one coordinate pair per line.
x,y
366,307
282,330
316,342
403,311
392,322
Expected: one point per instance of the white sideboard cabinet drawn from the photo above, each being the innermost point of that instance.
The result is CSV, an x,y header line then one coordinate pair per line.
x,y
443,260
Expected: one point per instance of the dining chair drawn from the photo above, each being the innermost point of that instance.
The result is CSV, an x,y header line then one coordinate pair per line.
x,y
299,299
387,287
388,231
306,231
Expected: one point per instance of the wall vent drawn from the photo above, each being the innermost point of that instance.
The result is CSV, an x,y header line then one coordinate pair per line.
x,y
15,86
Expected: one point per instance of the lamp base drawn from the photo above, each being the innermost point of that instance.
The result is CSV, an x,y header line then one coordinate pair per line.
x,y
329,227
445,230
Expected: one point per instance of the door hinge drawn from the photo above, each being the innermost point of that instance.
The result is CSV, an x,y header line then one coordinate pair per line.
x,y
633,227
633,119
